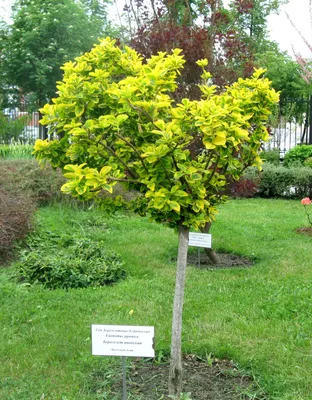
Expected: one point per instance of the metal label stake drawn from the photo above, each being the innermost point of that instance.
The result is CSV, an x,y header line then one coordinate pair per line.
x,y
124,382
123,341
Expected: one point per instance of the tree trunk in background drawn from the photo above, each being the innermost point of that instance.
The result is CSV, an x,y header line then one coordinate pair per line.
x,y
210,252
175,373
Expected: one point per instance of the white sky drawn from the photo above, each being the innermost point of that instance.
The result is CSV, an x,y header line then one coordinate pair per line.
x,y
280,28
282,31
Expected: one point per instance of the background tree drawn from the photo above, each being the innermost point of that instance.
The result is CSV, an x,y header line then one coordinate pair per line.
x,y
117,122
3,36
229,37
286,77
45,34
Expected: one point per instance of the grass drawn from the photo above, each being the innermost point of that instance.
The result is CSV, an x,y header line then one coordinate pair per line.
x,y
259,317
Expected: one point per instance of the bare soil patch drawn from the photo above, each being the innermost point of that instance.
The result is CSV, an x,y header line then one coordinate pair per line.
x,y
218,380
305,231
226,260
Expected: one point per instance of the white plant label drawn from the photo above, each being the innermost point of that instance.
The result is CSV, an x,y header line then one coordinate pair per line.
x,y
200,239
125,341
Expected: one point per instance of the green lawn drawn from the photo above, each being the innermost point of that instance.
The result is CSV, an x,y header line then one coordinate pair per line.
x,y
260,317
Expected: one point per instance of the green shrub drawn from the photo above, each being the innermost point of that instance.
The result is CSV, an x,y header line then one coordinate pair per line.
x,y
297,155
271,156
10,130
302,184
80,264
279,181
273,181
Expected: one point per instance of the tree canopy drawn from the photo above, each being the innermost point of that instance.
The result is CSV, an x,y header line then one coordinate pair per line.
x,y
286,78
115,112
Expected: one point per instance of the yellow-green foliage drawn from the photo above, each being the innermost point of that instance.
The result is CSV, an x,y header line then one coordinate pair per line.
x,y
118,123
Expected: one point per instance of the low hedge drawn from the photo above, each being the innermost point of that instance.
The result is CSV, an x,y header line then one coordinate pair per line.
x,y
279,181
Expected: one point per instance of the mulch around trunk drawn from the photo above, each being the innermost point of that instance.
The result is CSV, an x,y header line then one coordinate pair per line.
x,y
226,260
215,380
305,231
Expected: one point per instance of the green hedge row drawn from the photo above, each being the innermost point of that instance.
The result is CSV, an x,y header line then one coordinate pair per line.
x,y
280,181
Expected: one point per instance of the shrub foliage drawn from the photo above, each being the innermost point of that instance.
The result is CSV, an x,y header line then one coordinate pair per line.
x,y
298,155
10,130
279,181
81,263
23,186
15,219
42,184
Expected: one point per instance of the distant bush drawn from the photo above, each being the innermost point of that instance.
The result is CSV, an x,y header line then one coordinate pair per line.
x,y
279,181
42,184
16,212
271,156
275,181
297,155
23,186
10,130
302,183
80,264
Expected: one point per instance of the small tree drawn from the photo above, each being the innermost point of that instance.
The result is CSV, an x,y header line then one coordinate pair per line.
x,y
116,122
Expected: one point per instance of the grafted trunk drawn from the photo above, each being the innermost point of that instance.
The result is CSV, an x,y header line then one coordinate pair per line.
x,y
175,373
210,252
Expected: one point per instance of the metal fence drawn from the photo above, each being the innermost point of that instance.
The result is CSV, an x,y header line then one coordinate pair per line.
x,y
293,126
19,125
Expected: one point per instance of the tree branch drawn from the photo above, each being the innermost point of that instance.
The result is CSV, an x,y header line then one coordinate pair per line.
x,y
113,179
134,149
140,110
213,171
132,173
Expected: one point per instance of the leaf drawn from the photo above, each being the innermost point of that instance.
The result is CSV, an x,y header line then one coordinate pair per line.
x,y
174,205
107,187
180,193
159,203
105,170
220,139
79,110
195,177
121,118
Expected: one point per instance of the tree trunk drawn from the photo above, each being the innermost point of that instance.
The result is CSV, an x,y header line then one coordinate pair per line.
x,y
210,253
175,373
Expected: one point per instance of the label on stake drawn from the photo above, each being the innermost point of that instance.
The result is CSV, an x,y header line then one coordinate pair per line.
x,y
200,239
124,341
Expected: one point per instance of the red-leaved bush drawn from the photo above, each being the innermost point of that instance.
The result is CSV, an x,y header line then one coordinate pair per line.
x,y
16,211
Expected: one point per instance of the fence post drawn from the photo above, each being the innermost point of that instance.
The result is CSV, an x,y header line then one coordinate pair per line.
x,y
43,130
309,139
